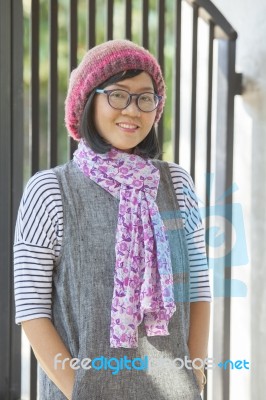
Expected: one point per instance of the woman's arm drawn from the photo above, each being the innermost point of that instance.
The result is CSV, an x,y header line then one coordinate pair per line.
x,y
46,344
199,333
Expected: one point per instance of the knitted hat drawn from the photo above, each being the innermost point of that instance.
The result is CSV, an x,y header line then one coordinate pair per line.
x,y
99,64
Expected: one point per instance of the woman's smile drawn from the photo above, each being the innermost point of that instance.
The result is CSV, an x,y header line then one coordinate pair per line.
x,y
127,126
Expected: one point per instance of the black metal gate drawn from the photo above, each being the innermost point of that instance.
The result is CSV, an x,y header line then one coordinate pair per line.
x,y
160,25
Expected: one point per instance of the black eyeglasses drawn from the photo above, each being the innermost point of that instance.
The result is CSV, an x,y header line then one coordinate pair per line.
x,y
120,99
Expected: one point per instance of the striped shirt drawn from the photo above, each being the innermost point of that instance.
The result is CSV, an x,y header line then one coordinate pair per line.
x,y
39,234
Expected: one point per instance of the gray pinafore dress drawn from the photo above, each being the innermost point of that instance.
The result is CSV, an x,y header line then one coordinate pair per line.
x,y
82,295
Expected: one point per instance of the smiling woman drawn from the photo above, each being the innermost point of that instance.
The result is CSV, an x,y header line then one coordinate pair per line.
x,y
127,126
123,81
109,248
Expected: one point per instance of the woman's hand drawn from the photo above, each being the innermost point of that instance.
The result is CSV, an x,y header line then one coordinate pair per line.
x,y
201,378
46,344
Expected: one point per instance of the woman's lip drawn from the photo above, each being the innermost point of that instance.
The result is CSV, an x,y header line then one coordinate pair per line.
x,y
126,125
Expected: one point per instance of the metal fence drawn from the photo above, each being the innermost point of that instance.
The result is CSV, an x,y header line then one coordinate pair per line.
x,y
197,128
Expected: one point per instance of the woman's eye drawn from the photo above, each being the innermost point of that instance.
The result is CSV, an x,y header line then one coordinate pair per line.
x,y
147,99
118,95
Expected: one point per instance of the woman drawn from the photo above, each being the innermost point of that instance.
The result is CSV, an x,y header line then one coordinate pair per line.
x,y
110,276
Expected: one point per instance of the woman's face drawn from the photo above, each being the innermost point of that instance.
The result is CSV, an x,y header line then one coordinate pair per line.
x,y
124,129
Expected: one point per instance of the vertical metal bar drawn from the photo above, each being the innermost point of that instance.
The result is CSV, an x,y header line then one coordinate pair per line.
x,y
231,51
110,15
176,83
53,84
17,180
220,167
91,23
128,19
160,55
35,137
224,176
33,376
73,33
145,24
209,106
5,198
73,45
209,148
194,90
35,86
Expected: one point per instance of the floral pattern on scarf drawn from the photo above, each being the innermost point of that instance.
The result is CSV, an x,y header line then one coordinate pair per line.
x,y
143,278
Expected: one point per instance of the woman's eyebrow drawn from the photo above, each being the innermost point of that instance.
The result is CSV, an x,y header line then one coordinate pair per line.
x,y
146,88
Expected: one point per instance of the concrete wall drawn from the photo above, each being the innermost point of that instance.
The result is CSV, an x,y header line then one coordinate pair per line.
x,y
249,314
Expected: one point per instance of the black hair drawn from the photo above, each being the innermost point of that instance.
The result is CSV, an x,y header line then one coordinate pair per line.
x,y
149,147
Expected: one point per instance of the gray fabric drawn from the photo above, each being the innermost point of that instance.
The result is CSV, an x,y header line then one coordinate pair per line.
x,y
82,296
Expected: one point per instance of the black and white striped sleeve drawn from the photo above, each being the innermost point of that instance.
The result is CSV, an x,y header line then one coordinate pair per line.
x,y
187,200
37,244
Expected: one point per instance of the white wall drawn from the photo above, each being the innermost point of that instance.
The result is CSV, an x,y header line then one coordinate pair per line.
x,y
249,314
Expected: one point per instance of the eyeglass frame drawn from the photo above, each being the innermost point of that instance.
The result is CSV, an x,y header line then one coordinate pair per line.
x,y
137,95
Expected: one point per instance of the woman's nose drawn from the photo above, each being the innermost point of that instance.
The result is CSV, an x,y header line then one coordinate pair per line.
x,y
131,109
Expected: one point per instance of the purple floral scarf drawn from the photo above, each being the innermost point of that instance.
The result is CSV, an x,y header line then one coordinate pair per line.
x,y
143,278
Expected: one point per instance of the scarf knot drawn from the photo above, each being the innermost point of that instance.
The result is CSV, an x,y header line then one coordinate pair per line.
x,y
143,278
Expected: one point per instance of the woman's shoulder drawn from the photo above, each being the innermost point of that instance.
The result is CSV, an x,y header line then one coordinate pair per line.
x,y
181,174
41,186
48,175
44,177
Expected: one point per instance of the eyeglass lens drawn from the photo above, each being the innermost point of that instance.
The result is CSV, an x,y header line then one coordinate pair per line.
x,y
120,99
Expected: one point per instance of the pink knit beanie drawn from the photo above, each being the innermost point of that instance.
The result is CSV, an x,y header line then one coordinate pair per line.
x,y
99,64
